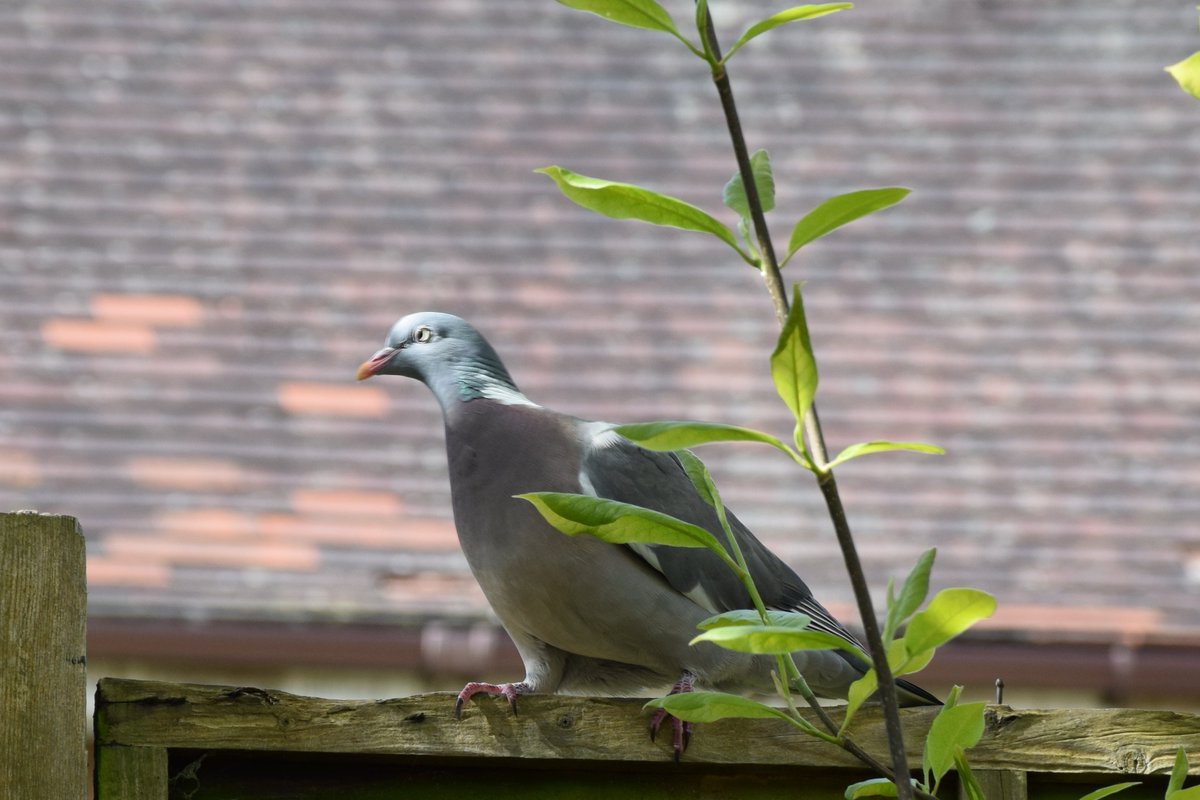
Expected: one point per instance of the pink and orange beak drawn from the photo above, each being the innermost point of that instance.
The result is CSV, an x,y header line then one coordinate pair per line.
x,y
375,363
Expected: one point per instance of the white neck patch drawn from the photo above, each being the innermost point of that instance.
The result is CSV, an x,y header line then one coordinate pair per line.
x,y
506,396
603,435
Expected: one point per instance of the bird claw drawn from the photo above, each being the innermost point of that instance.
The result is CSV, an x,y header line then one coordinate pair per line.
x,y
681,732
510,691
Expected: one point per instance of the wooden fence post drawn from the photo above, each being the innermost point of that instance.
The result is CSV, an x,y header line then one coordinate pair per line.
x,y
43,671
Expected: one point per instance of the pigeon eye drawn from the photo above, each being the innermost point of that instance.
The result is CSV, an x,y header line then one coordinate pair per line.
x,y
422,334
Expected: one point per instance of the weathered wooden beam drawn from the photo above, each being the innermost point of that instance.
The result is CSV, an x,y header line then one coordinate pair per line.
x,y
43,674
1008,784
131,773
546,727
184,716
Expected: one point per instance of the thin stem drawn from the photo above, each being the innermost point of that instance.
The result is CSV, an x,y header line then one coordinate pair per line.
x,y
781,686
786,663
866,609
795,676
816,439
775,288
770,266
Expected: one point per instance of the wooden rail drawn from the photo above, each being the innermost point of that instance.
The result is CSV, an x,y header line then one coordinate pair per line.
x,y
214,741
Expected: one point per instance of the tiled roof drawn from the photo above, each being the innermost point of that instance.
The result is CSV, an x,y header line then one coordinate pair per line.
x,y
211,211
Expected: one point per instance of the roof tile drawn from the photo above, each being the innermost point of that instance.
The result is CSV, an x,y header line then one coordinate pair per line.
x,y
212,212
97,336
163,310
396,534
19,468
105,571
193,474
346,502
323,399
1130,623
213,524
175,551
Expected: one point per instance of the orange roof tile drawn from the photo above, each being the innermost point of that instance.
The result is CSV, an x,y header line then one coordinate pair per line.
x,y
89,336
398,534
208,523
167,310
425,587
332,400
1128,622
291,556
19,468
125,571
345,501
194,474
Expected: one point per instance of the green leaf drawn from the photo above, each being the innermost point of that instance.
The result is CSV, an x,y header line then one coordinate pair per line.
x,y
783,17
865,448
913,663
682,434
1179,772
734,193
712,706
792,364
860,691
646,14
773,640
699,476
902,662
743,227
1191,793
702,29
912,595
626,201
950,613
782,619
841,210
954,729
1187,74
897,655
1105,791
618,523
970,785
952,697
872,787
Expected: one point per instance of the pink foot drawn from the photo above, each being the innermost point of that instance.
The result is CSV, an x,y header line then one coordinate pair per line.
x,y
681,731
510,691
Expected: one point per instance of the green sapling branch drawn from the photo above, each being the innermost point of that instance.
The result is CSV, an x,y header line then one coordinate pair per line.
x,y
817,451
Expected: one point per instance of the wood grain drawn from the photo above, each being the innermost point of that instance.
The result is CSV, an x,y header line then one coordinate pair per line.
x,y
1092,741
43,680
131,773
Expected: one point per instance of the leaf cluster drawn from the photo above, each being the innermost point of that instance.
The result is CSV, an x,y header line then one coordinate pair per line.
x,y
649,15
956,729
793,365
628,201
948,614
794,372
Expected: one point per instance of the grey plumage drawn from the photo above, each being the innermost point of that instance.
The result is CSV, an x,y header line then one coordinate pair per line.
x,y
587,616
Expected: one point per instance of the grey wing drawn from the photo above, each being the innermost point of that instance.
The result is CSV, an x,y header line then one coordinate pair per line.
x,y
617,469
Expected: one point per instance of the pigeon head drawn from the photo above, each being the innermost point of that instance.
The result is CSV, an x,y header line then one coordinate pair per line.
x,y
446,354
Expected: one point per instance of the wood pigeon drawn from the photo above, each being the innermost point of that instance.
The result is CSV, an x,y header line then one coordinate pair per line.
x,y
588,616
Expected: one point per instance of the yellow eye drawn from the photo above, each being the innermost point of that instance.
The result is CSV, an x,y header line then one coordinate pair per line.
x,y
422,334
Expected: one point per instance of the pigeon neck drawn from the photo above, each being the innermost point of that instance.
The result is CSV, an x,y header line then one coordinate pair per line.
x,y
488,379
480,378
